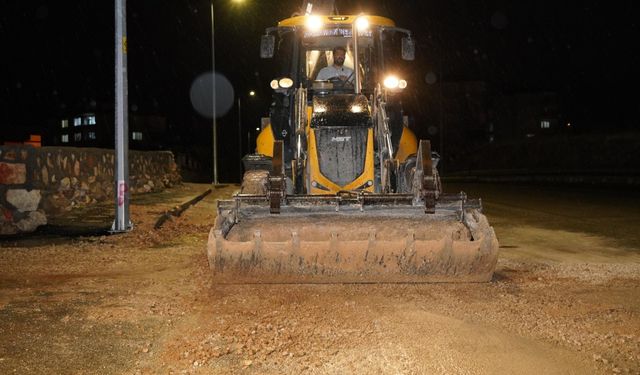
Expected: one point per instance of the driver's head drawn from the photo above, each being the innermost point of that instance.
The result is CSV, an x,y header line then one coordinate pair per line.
x,y
339,53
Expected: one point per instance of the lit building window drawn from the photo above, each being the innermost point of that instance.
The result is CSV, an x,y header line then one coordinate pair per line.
x,y
77,121
545,124
64,123
77,137
91,135
65,138
89,120
136,136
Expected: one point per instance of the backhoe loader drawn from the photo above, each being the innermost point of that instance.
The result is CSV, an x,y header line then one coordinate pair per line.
x,y
339,188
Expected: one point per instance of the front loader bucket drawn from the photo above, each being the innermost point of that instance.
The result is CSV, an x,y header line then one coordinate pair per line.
x,y
307,243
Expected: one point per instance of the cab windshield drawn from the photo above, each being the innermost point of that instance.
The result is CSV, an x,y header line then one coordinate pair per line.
x,y
318,53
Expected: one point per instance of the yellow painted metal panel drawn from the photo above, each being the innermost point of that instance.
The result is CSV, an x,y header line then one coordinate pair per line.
x,y
265,141
408,145
337,20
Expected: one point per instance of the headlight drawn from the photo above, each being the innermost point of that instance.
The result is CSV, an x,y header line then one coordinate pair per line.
x,y
319,108
285,83
393,83
362,23
356,108
314,23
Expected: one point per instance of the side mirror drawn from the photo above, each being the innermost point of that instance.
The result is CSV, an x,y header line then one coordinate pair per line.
x,y
408,49
267,46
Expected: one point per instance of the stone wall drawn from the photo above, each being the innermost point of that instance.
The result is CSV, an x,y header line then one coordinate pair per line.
x,y
39,183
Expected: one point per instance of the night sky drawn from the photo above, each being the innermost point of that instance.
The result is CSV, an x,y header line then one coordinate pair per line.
x,y
58,55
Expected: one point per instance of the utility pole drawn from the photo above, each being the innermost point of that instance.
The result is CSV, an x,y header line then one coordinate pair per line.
x,y
240,135
249,141
122,222
213,96
442,105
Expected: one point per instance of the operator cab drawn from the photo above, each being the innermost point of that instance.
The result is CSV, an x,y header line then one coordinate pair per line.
x,y
301,47
320,58
306,44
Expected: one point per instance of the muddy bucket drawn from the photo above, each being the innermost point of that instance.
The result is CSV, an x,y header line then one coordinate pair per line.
x,y
360,246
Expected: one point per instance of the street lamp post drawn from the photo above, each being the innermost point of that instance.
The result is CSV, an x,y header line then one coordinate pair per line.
x,y
252,94
442,162
122,222
240,134
213,96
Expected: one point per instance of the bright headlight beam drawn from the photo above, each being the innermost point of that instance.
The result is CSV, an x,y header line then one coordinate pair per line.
x,y
314,23
356,108
285,83
402,84
274,84
391,82
362,23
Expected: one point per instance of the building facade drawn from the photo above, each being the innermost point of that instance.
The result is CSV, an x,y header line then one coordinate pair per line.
x,y
92,129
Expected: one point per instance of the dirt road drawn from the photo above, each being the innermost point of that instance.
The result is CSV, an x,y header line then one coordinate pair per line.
x,y
565,300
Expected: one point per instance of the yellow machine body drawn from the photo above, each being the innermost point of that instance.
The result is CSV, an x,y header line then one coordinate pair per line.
x,y
340,190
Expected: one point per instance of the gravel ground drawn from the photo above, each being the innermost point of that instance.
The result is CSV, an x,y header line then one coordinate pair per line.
x,y
564,300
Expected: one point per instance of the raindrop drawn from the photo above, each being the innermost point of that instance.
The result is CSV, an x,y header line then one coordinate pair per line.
x,y
431,78
201,95
93,103
499,20
134,108
18,85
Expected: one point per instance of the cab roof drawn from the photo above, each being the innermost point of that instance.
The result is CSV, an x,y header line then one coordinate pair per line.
x,y
336,20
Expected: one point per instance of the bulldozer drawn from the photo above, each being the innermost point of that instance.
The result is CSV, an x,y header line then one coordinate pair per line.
x,y
339,189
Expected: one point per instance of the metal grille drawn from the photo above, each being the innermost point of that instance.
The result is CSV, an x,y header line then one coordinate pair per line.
x,y
342,153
